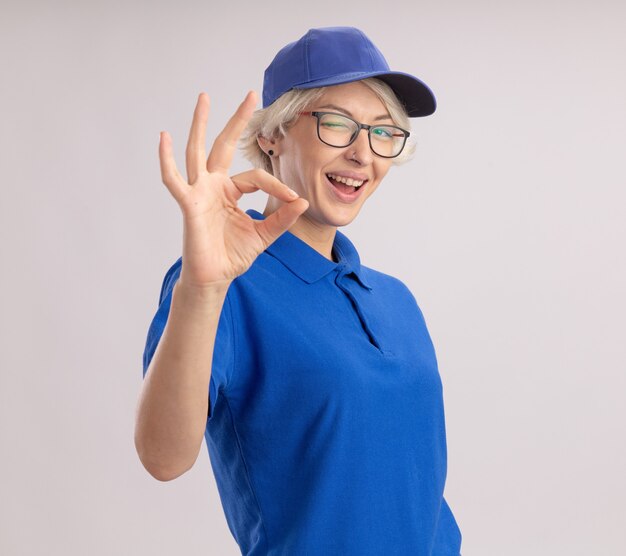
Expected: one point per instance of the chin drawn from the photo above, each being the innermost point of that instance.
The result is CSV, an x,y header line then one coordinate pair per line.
x,y
341,216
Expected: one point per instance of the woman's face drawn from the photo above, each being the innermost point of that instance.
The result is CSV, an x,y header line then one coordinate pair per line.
x,y
304,162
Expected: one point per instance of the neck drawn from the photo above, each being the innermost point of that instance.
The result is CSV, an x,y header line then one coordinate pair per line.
x,y
314,234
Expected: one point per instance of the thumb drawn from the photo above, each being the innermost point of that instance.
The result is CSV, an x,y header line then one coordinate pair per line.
x,y
277,223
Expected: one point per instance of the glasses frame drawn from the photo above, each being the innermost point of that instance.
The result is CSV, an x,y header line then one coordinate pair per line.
x,y
360,126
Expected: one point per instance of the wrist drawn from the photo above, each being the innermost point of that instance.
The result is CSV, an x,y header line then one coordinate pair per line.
x,y
213,291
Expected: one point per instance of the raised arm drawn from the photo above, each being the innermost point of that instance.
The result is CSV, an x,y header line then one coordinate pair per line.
x,y
220,242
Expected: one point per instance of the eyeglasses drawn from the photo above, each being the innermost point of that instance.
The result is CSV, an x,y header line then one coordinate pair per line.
x,y
337,130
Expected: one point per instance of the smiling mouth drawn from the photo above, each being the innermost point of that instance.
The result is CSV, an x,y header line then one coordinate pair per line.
x,y
343,192
347,185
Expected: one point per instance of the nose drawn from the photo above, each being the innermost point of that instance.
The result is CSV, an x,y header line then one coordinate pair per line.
x,y
360,149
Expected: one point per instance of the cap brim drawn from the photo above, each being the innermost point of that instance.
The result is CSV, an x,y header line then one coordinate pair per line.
x,y
416,96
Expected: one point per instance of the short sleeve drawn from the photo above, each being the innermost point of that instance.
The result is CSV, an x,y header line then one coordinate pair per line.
x,y
160,318
224,348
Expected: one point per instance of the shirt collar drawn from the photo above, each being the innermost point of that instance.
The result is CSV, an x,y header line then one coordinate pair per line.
x,y
307,263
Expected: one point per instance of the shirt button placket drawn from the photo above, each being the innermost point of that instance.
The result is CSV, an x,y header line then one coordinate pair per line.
x,y
343,270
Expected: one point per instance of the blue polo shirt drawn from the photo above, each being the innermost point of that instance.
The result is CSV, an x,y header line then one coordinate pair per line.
x,y
326,429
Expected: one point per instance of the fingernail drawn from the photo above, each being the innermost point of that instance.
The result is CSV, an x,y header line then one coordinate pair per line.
x,y
292,193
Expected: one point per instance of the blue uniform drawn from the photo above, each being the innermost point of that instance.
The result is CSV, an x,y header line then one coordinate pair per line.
x,y
326,429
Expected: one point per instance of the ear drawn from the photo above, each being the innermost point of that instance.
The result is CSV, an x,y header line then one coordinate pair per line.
x,y
267,144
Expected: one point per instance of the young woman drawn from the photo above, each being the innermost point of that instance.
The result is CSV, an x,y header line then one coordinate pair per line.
x,y
312,377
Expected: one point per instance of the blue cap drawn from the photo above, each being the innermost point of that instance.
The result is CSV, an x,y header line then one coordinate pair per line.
x,y
332,55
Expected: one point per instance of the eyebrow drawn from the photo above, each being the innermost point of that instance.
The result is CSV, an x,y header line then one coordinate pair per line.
x,y
334,106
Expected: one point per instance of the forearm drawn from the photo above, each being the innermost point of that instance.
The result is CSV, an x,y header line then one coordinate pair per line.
x,y
173,406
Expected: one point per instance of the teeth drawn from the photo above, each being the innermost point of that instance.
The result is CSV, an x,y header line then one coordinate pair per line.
x,y
347,181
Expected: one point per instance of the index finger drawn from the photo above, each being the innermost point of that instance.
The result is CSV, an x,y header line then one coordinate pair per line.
x,y
194,154
223,149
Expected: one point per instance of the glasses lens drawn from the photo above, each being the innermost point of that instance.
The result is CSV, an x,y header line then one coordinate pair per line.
x,y
387,140
336,130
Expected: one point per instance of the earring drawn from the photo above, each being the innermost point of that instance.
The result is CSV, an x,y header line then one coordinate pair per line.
x,y
270,152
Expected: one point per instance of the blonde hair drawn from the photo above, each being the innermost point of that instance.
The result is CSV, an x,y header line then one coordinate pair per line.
x,y
273,121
